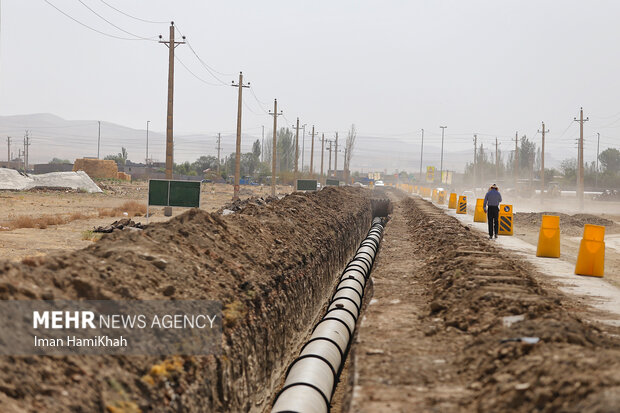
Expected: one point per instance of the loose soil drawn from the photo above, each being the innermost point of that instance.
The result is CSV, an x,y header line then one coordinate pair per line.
x,y
444,327
25,242
257,262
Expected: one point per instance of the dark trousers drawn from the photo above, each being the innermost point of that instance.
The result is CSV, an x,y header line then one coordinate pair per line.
x,y
493,218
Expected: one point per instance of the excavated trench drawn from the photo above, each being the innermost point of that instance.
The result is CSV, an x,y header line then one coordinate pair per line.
x,y
273,267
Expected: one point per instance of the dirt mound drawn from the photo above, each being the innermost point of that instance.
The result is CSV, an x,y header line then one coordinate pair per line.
x,y
569,224
270,265
488,301
240,204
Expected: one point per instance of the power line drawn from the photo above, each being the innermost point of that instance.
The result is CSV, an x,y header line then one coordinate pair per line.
x,y
133,17
91,28
194,74
112,24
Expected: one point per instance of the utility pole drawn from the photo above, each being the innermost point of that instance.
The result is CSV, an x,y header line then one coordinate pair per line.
x,y
303,145
336,155
580,184
496,161
171,44
322,148
275,115
421,154
19,155
240,85
219,148
296,147
516,158
475,161
98,138
345,172
329,164
146,160
443,128
26,151
262,145
312,154
8,152
598,141
542,163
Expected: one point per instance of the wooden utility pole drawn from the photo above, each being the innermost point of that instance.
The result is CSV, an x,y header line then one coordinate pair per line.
x,y
8,151
496,162
345,173
26,151
296,147
275,115
240,85
475,161
421,154
516,163
542,163
443,128
262,146
171,44
336,155
322,149
219,148
580,185
312,155
329,164
98,138
303,146
598,141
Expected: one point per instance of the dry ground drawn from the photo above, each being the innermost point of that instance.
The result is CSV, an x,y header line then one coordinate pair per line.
x,y
23,242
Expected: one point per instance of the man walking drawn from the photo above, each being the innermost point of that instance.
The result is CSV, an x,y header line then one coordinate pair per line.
x,y
491,206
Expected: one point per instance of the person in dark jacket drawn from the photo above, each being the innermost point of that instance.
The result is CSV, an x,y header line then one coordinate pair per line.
x,y
491,206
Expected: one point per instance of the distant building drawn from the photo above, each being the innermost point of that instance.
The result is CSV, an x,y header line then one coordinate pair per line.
x,y
44,168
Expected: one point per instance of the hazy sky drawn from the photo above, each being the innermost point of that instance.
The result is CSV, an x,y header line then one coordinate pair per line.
x,y
391,67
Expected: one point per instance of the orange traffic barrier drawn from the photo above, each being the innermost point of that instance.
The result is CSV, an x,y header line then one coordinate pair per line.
x,y
462,207
479,214
434,195
591,258
452,201
505,220
549,237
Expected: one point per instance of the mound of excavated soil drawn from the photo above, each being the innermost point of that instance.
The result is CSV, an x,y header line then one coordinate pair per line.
x,y
271,266
571,365
569,224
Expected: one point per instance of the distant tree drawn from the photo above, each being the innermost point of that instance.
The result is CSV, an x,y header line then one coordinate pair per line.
x,y
59,161
610,160
285,150
256,149
568,167
120,158
349,147
203,163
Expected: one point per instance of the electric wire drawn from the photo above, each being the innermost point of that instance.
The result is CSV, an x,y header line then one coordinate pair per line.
x,y
90,28
114,25
133,17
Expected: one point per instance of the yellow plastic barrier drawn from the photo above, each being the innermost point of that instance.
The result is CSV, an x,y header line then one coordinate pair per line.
x,y
452,201
591,258
434,195
479,214
462,207
505,220
549,237
441,197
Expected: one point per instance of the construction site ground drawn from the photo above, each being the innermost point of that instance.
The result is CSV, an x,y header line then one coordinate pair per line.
x,y
449,309
24,242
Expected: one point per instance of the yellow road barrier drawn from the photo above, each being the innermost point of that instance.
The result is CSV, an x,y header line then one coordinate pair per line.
x,y
505,220
591,258
549,237
462,207
452,201
441,197
434,195
479,214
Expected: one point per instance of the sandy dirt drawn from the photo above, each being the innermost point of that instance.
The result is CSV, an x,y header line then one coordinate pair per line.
x,y
23,242
442,333
252,261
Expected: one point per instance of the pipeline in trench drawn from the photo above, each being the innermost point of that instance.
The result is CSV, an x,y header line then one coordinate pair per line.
x,y
312,377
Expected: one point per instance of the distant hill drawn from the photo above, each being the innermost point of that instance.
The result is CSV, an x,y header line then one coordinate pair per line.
x,y
52,136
